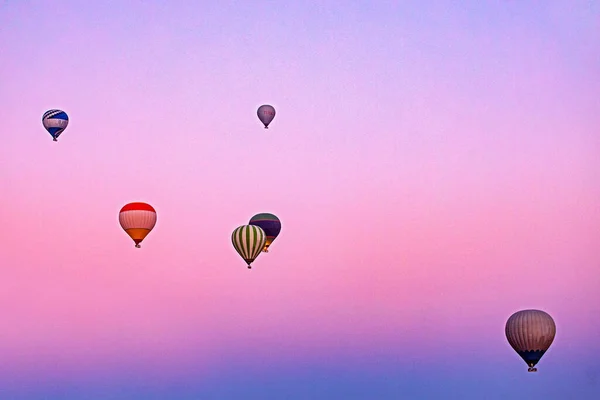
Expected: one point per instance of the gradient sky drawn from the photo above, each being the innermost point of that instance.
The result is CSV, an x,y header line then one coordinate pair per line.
x,y
435,167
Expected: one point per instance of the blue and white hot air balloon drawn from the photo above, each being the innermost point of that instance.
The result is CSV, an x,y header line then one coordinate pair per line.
x,y
55,122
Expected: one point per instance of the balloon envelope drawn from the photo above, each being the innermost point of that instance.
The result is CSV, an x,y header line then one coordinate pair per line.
x,y
137,220
530,333
55,122
266,113
248,241
270,224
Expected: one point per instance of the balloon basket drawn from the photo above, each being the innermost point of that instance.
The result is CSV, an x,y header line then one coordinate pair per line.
x,y
532,369
137,246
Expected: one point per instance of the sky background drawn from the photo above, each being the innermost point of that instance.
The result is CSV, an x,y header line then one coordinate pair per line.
x,y
435,167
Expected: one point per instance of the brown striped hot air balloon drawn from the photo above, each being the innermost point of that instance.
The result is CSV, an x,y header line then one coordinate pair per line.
x,y
248,241
137,219
530,333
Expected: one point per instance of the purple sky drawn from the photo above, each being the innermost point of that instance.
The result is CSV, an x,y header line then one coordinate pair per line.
x,y
435,167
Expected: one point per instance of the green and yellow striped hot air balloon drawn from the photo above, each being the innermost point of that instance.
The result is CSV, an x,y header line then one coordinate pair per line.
x,y
248,241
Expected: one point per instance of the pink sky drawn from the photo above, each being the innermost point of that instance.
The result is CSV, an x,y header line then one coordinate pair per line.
x,y
434,172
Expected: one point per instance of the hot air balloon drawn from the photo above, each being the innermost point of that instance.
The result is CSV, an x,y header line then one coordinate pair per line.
x,y
530,333
248,241
55,122
266,113
270,224
137,219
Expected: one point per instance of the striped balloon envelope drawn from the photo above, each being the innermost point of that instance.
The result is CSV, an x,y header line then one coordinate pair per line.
x,y
270,224
137,220
55,122
530,333
248,241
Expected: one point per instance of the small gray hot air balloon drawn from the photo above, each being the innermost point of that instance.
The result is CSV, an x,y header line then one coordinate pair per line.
x,y
266,113
530,333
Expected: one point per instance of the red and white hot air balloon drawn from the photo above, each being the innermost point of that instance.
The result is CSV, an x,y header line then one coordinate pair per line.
x,y
137,219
